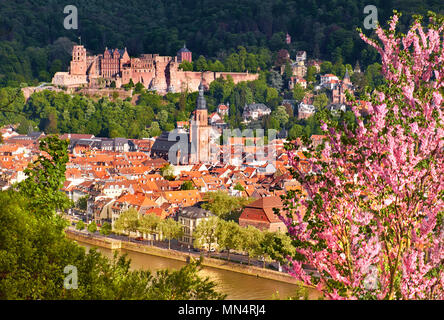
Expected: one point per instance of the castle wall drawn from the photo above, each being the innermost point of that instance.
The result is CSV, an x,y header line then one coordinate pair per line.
x,y
190,79
238,76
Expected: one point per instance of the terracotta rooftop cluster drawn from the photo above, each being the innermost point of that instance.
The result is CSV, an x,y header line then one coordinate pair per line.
x,y
115,181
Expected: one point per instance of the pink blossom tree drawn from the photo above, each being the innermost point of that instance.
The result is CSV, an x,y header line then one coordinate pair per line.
x,y
369,222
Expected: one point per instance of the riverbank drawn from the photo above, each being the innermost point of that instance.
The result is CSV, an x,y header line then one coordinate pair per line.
x,y
114,244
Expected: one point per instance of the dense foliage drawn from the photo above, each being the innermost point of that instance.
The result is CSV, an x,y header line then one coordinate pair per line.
x,y
58,112
34,44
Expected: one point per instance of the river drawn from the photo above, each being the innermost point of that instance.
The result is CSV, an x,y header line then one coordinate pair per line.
x,y
237,286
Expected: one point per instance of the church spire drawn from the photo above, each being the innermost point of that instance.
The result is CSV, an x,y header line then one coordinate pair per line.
x,y
346,76
201,102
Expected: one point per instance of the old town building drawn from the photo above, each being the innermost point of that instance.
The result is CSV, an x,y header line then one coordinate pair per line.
x,y
260,214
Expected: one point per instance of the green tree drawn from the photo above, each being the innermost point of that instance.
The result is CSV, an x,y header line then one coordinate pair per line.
x,y
205,233
337,56
82,203
149,224
373,75
186,66
288,73
167,171
311,72
275,80
277,246
228,236
281,115
154,130
184,284
275,124
162,116
216,66
200,64
223,205
326,67
45,177
139,87
359,83
320,101
339,70
106,229
239,187
128,221
232,63
187,185
80,225
92,227
170,229
296,131
251,239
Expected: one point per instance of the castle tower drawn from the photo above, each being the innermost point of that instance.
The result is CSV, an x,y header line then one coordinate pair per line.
x,y
200,130
78,62
160,81
184,55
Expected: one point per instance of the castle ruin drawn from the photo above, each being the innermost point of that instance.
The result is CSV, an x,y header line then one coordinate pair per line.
x,y
160,73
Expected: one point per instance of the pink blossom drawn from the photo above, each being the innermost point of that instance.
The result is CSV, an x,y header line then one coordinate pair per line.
x,y
382,205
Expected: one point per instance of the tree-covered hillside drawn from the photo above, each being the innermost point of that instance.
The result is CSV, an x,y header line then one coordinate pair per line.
x,y
34,43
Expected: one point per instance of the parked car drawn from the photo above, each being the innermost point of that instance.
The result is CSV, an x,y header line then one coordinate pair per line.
x,y
139,239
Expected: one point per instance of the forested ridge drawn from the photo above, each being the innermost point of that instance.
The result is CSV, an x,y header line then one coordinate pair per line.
x,y
34,43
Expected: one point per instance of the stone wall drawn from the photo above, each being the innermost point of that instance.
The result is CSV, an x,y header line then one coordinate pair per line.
x,y
92,240
69,80
190,80
123,94
28,91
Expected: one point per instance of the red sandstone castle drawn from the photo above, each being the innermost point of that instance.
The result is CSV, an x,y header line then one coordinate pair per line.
x,y
160,73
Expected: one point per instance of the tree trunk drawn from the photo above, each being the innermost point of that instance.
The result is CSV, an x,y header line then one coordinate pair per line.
x,y
169,243
249,259
228,255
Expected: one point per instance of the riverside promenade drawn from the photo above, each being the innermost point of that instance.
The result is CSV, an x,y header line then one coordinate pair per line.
x,y
114,244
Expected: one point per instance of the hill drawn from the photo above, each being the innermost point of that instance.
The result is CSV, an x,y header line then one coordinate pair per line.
x,y
34,44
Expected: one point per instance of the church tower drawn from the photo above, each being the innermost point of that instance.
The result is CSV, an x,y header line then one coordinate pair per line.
x,y
200,130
